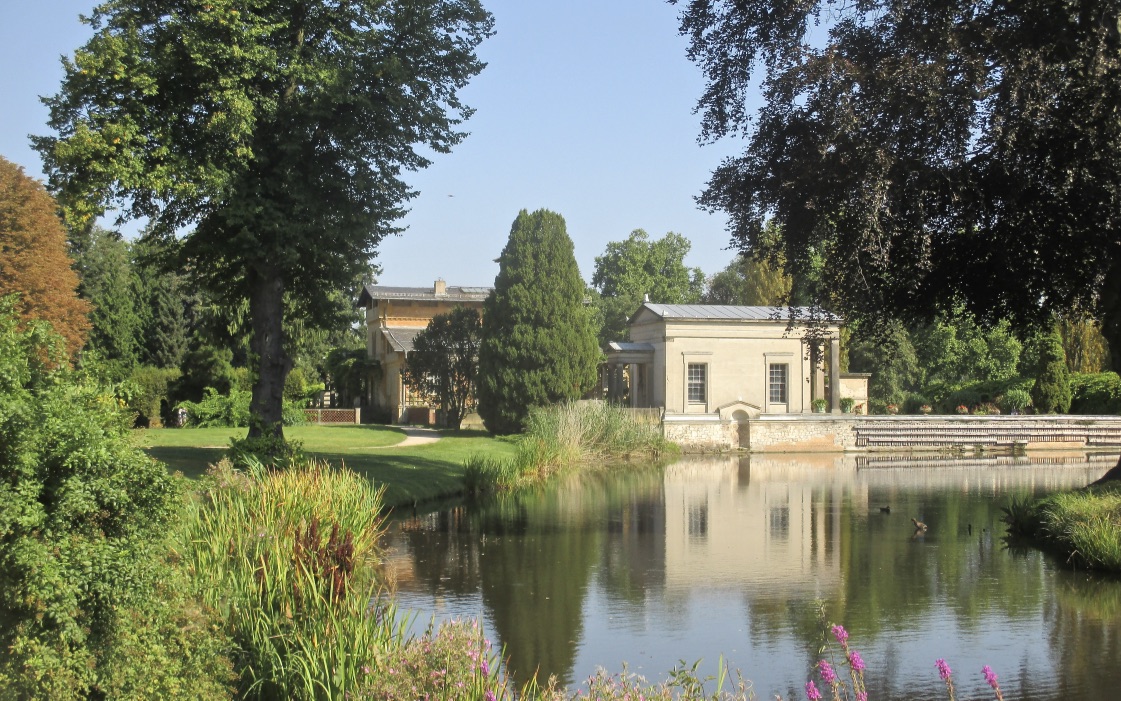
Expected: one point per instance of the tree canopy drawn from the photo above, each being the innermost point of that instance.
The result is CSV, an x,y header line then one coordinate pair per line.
x,y
445,360
925,150
638,266
33,258
278,131
538,343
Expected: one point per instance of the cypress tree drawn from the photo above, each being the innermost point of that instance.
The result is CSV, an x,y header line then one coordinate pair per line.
x,y
539,346
1051,392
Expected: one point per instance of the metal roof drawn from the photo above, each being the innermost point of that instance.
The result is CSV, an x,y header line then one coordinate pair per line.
x,y
400,339
709,312
624,347
451,293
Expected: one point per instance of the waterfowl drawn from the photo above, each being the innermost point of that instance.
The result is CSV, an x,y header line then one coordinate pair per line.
x,y
919,525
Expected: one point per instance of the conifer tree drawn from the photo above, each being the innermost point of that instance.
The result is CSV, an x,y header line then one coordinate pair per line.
x,y
538,344
1051,392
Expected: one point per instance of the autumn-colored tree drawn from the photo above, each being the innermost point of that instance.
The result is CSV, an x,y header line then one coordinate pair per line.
x,y
33,259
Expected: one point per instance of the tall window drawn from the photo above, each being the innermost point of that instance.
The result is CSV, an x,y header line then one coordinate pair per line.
x,y
776,383
696,383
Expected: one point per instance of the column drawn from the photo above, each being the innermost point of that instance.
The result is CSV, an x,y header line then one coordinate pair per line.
x,y
634,384
835,375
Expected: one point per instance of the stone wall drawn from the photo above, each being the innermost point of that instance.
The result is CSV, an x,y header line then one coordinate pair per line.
x,y
831,433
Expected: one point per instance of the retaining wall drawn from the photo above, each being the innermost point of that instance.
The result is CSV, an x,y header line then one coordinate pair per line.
x,y
802,433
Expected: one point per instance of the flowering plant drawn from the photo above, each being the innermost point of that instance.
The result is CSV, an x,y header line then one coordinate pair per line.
x,y
962,409
893,408
925,408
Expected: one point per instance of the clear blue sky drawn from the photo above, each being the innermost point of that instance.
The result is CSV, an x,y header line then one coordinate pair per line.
x,y
585,108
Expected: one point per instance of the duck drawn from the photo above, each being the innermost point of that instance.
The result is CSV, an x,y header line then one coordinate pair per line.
x,y
919,525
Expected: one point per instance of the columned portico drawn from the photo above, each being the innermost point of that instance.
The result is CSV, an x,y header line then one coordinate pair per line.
x,y
626,374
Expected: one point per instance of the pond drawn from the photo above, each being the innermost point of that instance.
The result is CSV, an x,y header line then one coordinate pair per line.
x,y
736,557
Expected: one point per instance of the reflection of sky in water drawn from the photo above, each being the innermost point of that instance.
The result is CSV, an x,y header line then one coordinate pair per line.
x,y
728,557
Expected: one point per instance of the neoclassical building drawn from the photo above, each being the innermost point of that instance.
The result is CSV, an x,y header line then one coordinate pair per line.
x,y
394,316
714,359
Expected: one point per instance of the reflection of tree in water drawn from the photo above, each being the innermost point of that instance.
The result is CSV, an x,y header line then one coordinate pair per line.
x,y
1086,618
534,580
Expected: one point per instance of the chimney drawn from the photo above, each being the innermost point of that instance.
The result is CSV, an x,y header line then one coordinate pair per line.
x,y
440,288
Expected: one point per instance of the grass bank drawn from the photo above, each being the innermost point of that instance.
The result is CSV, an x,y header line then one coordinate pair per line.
x,y
1083,526
566,435
410,474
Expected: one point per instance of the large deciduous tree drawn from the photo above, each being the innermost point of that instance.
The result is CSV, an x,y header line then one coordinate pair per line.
x,y
33,258
538,344
925,150
631,269
277,130
445,360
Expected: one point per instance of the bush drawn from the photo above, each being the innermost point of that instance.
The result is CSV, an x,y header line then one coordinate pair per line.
x,y
1016,399
914,403
148,393
232,410
89,606
1095,393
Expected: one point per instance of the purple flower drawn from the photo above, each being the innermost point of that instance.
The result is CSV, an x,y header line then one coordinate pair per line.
x,y
862,696
944,670
856,661
990,676
827,674
811,691
491,696
841,634
484,666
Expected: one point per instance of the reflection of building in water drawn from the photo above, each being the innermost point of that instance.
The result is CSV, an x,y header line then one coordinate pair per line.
x,y
747,522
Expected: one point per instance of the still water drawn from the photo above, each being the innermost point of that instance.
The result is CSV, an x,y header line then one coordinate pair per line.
x,y
735,556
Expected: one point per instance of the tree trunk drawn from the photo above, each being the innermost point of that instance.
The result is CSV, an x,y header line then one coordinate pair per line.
x,y
1109,309
266,313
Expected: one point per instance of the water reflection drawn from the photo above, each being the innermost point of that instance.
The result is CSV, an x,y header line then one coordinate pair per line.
x,y
729,555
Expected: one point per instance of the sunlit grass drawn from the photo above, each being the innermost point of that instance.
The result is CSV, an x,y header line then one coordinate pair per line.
x,y
1083,525
410,474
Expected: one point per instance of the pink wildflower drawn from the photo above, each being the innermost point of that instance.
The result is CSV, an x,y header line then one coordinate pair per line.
x,y
491,696
862,696
827,674
841,634
856,661
811,691
484,666
944,670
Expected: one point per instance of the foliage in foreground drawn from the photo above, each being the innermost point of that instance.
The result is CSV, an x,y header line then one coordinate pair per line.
x,y
90,606
575,432
288,558
1084,526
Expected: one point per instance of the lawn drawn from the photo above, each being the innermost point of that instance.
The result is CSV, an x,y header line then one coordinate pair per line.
x,y
411,474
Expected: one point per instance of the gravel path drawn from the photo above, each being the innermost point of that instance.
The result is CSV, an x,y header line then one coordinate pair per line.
x,y
415,435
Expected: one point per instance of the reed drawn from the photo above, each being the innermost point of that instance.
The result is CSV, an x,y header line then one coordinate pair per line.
x,y
288,560
1084,525
571,433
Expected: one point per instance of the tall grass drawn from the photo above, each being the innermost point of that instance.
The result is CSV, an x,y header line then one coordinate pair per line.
x,y
1084,525
572,433
287,559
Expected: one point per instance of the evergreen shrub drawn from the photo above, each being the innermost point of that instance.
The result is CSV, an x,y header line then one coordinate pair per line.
x,y
1095,393
1051,392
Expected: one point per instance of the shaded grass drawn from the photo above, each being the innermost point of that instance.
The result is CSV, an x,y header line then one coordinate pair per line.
x,y
1084,526
410,474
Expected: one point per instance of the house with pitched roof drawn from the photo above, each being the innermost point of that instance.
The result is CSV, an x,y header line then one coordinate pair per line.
x,y
694,360
394,316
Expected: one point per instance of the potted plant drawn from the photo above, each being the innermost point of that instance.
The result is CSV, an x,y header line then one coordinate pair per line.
x,y
846,405
818,405
893,408
925,408
962,409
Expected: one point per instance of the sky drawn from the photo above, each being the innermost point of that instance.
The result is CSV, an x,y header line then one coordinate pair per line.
x,y
585,108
